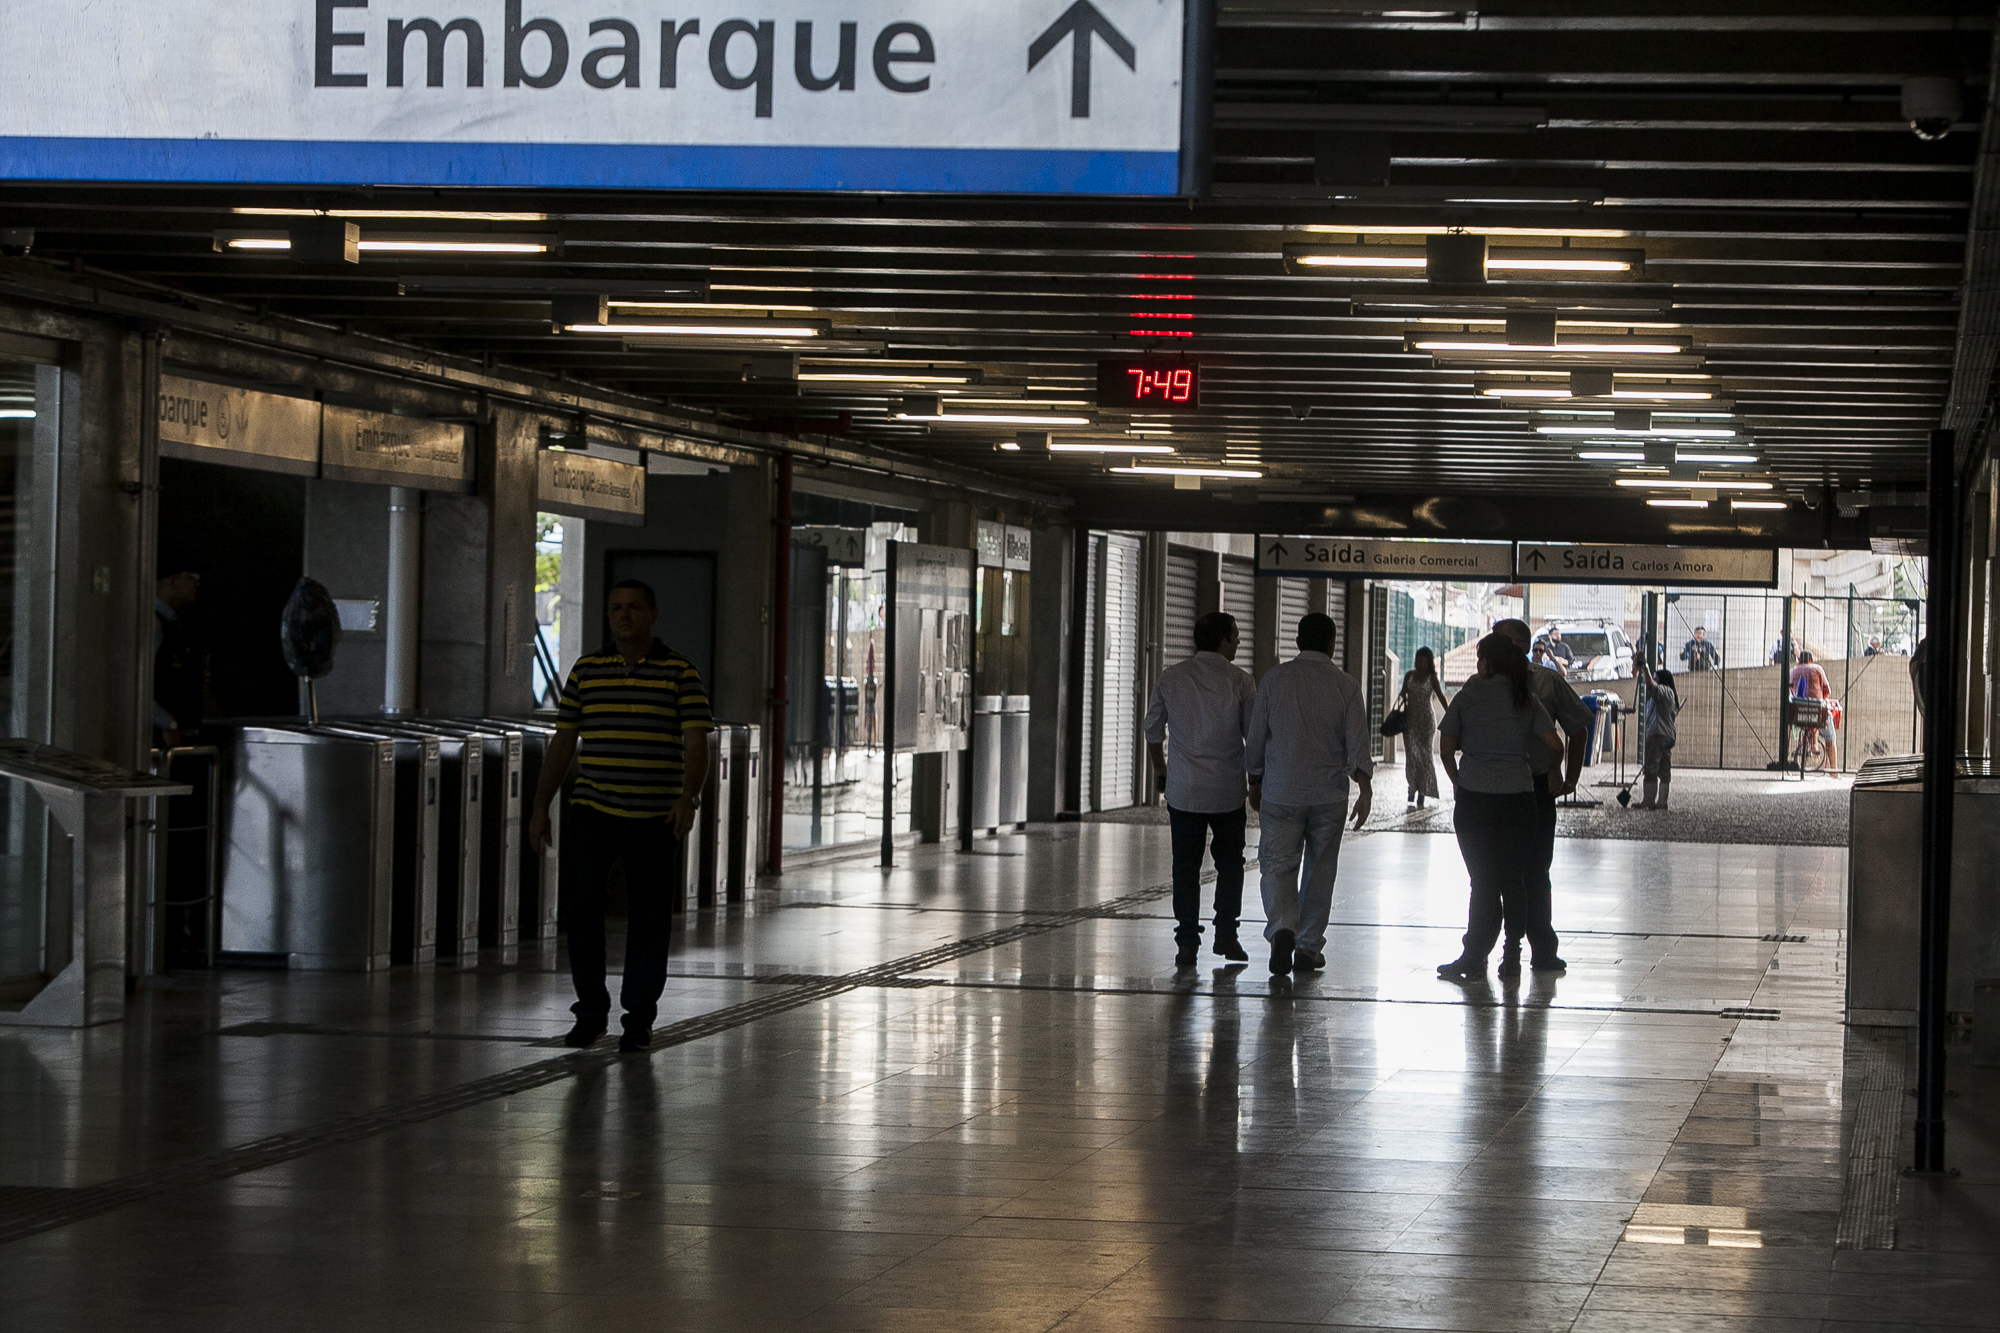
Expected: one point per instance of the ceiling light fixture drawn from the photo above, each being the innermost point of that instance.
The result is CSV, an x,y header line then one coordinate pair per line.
x,y
1760,504
1499,346
1563,391
404,245
17,413
1705,484
880,377
707,330
1507,259
1655,433
1609,233
1716,458
1678,504
993,419
706,305
1107,447
1612,456
1160,470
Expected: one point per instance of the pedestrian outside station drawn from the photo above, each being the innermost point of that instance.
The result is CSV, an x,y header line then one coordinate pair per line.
x,y
841,421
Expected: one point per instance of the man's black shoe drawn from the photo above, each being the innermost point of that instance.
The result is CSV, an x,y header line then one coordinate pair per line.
x,y
1510,965
1305,960
1186,956
1281,953
1550,965
1232,950
1462,969
586,1031
635,1039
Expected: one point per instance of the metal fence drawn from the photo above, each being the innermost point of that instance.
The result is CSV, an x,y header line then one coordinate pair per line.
x,y
1733,693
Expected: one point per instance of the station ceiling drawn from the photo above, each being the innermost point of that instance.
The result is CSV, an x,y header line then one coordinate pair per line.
x,y
1790,225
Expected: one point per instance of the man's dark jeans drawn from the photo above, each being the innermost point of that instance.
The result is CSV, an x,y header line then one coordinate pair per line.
x,y
1191,828
592,843
1532,912
1495,832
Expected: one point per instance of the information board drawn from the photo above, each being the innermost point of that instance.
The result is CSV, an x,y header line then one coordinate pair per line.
x,y
1384,558
213,423
591,488
357,445
1677,566
1008,96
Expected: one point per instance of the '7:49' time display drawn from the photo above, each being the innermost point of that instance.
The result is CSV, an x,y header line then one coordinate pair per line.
x,y
1149,386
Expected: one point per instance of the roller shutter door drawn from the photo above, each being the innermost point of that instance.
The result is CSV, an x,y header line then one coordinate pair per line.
x,y
1120,723
1239,599
1291,606
1086,792
1177,626
1336,606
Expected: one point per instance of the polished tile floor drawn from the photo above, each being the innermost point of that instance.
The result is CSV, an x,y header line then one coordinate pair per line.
x,y
973,1093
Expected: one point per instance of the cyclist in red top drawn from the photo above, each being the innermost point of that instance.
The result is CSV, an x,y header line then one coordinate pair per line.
x,y
1809,682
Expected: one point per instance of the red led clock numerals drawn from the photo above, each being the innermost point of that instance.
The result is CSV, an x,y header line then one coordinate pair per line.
x,y
1167,386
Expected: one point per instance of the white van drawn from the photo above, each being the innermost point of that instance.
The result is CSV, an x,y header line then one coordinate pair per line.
x,y
1599,649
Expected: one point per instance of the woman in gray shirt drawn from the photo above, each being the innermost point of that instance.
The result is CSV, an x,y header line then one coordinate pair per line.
x,y
1484,740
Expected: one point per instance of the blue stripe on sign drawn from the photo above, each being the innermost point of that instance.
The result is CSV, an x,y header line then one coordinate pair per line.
x,y
591,166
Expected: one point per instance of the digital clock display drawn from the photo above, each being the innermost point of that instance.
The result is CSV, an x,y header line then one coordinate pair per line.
x,y
1152,386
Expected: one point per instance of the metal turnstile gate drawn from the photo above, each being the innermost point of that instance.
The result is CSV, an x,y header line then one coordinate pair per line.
x,y
538,880
419,777
746,805
309,847
461,762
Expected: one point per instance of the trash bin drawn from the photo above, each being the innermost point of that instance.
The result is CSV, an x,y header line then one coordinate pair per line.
x,y
1014,761
1884,867
419,776
987,730
308,862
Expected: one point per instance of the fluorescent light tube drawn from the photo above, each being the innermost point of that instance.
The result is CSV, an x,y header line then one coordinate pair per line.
x,y
1158,470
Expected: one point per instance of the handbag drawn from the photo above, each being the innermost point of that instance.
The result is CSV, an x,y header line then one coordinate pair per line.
x,y
1394,723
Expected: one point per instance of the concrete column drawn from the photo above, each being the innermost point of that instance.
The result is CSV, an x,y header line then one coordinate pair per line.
x,y
1152,652
403,612
1355,633
1316,596
1207,586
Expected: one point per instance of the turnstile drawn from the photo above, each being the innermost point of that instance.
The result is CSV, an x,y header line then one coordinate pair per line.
x,y
746,804
710,839
499,747
539,877
1884,907
308,873
419,776
460,807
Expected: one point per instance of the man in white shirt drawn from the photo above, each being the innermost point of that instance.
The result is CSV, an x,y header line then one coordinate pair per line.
x,y
1204,702
1308,735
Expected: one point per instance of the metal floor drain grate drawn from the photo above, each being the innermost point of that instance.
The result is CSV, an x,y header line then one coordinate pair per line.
x,y
1753,1012
28,1216
1871,1181
1783,939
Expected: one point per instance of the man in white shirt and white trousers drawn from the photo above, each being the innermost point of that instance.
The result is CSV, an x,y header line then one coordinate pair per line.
x,y
1204,702
1308,736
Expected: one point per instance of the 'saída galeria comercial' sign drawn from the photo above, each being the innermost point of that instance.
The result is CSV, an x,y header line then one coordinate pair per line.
x,y
1056,96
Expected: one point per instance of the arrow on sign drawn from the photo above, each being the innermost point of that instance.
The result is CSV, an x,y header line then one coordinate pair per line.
x,y
1279,551
1079,21
1535,556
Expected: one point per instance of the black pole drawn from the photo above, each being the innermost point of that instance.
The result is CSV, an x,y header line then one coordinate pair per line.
x,y
1940,774
1785,763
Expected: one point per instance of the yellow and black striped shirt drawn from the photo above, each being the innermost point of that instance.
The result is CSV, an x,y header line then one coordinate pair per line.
x,y
631,721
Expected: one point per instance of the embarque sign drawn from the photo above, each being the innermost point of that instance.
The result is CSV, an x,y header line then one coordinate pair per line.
x,y
1384,558
1678,566
1011,96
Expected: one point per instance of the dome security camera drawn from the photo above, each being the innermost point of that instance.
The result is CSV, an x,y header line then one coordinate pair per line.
x,y
1932,106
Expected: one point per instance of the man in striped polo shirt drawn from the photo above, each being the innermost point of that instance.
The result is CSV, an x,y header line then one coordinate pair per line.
x,y
639,714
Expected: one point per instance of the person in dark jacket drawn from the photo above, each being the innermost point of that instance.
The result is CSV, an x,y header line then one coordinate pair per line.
x,y
180,667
